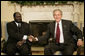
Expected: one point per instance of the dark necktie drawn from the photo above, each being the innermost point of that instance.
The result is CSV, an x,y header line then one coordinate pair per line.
x,y
57,33
19,26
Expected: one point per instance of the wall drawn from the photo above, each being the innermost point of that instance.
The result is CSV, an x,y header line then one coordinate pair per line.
x,y
7,11
81,15
46,12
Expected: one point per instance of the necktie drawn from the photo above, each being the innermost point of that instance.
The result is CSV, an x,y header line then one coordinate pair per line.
x,y
57,33
19,24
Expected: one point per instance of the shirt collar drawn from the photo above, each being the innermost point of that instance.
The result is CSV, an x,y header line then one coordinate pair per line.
x,y
16,23
59,22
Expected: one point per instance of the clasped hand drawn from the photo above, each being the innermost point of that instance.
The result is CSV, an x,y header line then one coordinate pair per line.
x,y
32,38
79,43
19,43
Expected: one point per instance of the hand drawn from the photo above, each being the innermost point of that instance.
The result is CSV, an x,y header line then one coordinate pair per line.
x,y
19,43
35,39
30,38
50,40
79,43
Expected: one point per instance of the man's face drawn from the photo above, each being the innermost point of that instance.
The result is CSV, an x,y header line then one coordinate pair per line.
x,y
18,17
57,15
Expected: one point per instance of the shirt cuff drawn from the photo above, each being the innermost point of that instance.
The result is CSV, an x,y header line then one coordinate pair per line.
x,y
79,39
25,37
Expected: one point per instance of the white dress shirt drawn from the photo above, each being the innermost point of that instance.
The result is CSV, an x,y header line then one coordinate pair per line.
x,y
61,32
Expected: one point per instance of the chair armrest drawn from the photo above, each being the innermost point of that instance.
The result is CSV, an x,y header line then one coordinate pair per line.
x,y
2,39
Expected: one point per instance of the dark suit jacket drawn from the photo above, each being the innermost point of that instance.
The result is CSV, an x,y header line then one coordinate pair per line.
x,y
15,34
69,29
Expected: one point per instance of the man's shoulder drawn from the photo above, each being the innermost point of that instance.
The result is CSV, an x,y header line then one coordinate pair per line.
x,y
11,22
66,20
25,23
52,23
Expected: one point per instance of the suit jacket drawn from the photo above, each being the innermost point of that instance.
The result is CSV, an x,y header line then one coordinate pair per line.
x,y
69,29
15,33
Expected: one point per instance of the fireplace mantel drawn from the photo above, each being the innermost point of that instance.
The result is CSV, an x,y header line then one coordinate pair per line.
x,y
40,21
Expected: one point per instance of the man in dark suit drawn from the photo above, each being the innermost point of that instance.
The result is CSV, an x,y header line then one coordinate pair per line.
x,y
61,33
18,32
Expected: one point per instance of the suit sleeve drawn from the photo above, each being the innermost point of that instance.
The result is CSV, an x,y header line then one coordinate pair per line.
x,y
44,39
75,30
29,32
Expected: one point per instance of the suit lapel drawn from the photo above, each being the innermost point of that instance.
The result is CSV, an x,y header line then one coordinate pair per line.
x,y
63,25
53,27
63,28
14,24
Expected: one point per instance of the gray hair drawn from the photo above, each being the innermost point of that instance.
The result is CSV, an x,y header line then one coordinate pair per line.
x,y
57,10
